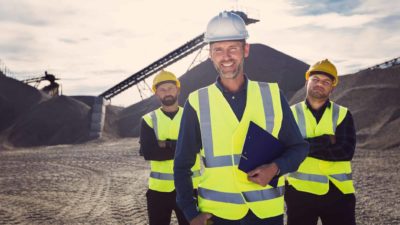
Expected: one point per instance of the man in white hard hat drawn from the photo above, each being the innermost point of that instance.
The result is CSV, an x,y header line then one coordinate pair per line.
x,y
215,122
322,187
158,134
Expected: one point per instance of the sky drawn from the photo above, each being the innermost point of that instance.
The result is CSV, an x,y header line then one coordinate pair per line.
x,y
93,45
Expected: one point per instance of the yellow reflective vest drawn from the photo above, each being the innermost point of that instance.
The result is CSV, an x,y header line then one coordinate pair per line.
x,y
162,173
313,175
224,190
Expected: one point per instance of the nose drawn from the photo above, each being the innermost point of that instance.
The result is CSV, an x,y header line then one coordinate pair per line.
x,y
226,55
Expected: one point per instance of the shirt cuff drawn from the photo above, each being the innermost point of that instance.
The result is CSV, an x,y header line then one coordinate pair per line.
x,y
190,212
282,168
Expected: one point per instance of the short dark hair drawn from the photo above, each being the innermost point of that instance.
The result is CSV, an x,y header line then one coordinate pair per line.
x,y
323,73
165,81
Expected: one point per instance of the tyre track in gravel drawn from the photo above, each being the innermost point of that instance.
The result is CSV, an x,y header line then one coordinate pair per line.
x,y
105,183
95,183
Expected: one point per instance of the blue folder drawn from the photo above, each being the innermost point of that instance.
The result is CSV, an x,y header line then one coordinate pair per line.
x,y
259,148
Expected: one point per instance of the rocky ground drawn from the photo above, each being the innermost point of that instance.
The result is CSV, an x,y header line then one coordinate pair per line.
x,y
104,182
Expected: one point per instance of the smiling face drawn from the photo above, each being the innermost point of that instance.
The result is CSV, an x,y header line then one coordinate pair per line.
x,y
319,86
228,57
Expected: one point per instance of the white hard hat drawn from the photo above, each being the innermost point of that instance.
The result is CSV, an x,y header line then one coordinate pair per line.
x,y
226,26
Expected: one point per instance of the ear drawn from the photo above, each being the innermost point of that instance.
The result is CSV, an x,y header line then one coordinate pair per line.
x,y
209,50
333,88
246,50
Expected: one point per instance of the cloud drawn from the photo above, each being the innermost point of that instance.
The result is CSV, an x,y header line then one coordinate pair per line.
x,y
320,7
12,12
92,45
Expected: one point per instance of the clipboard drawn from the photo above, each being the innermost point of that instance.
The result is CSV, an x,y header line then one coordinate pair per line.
x,y
259,148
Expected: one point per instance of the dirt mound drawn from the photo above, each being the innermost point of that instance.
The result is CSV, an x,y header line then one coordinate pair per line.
x,y
128,121
111,121
372,97
60,120
263,64
16,98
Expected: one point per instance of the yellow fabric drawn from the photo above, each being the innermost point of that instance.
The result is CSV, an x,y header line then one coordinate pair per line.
x,y
167,129
315,166
228,136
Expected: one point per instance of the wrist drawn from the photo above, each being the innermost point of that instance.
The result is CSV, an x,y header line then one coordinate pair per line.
x,y
277,170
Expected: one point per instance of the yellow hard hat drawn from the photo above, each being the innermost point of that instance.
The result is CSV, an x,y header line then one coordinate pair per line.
x,y
164,76
323,67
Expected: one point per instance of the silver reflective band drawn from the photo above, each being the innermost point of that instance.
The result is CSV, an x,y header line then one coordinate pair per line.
x,y
266,194
206,132
220,161
155,125
335,116
309,177
162,176
342,176
301,120
196,173
268,107
237,198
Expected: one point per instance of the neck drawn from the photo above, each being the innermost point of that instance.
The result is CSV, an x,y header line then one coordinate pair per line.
x,y
316,103
233,85
171,108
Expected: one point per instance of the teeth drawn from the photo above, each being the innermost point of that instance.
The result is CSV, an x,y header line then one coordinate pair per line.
x,y
227,64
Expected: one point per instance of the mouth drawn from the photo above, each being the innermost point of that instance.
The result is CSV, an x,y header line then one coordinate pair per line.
x,y
227,66
318,89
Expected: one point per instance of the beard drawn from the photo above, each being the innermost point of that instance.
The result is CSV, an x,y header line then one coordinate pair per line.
x,y
169,100
318,94
231,74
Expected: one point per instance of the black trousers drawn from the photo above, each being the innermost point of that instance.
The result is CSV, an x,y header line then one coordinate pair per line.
x,y
160,206
333,208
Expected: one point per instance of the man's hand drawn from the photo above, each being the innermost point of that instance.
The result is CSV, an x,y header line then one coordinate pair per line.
x,y
263,174
201,219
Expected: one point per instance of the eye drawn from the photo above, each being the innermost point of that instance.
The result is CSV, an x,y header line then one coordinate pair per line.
x,y
233,49
217,50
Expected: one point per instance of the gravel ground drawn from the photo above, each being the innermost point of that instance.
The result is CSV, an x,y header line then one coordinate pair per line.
x,y
104,182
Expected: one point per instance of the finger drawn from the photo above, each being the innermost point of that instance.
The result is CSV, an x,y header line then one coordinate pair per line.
x,y
253,172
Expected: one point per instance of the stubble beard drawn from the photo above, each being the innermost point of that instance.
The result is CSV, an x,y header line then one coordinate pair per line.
x,y
169,100
230,75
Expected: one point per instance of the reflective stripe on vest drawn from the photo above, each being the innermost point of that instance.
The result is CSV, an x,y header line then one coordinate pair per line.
x,y
236,198
169,176
309,177
205,126
155,124
162,176
301,118
342,177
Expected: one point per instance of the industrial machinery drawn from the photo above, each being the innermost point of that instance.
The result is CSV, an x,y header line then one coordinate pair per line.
x,y
52,89
172,57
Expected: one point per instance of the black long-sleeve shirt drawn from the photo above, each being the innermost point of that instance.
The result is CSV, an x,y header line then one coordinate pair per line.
x,y
322,147
149,147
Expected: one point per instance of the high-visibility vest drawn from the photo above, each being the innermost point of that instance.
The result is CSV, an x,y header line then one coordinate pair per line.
x,y
224,190
162,172
313,175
